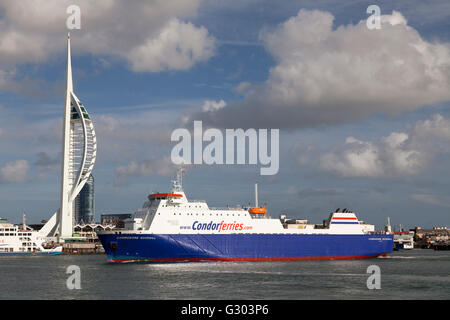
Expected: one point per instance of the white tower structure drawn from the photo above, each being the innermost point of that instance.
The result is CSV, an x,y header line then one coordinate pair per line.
x,y
79,151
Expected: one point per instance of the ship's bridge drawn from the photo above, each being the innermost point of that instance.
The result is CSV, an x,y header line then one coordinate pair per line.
x,y
171,198
164,196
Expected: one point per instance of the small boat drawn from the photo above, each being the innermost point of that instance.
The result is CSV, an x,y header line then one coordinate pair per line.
x,y
260,210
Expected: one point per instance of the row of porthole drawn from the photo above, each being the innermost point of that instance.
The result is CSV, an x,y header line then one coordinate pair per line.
x,y
204,214
184,206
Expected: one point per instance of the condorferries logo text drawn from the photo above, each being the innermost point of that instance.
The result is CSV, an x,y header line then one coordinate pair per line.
x,y
222,226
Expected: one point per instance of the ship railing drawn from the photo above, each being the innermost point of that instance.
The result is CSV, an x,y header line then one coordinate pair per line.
x,y
196,200
227,208
376,232
261,216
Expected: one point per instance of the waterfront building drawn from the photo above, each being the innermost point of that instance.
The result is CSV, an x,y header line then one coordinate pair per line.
x,y
115,219
85,203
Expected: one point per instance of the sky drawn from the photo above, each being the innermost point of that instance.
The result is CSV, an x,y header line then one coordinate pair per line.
x,y
363,114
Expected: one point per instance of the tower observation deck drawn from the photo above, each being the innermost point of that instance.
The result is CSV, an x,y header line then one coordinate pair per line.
x,y
79,150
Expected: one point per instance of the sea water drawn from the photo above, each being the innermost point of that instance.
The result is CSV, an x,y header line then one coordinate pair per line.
x,y
409,274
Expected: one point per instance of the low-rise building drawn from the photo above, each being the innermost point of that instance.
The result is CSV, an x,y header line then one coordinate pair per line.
x,y
115,219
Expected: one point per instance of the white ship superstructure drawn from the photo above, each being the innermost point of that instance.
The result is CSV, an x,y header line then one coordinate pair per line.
x,y
173,213
16,240
170,213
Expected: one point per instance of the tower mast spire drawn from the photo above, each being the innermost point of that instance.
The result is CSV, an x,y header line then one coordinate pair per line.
x,y
66,210
79,151
69,84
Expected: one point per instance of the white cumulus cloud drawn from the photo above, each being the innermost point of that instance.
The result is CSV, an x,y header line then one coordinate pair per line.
x,y
178,46
324,75
150,35
211,105
398,154
15,171
437,128
432,199
152,166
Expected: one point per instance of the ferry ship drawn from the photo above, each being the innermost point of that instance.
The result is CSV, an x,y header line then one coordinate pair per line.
x,y
170,228
403,240
21,241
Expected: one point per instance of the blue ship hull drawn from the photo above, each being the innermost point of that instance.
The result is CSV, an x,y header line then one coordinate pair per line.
x,y
242,247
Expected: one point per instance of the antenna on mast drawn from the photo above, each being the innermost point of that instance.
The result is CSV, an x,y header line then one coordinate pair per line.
x,y
24,221
388,227
256,195
180,173
177,185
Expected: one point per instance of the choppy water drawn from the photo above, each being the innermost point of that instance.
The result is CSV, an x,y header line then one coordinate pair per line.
x,y
415,274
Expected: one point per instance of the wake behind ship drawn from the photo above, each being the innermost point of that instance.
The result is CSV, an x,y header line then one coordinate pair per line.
x,y
171,228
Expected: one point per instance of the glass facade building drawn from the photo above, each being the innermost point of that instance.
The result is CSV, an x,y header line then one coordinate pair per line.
x,y
85,203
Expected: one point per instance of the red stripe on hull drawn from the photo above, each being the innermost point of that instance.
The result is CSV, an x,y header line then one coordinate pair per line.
x,y
251,259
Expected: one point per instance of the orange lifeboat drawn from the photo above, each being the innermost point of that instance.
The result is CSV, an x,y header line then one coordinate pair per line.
x,y
260,210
